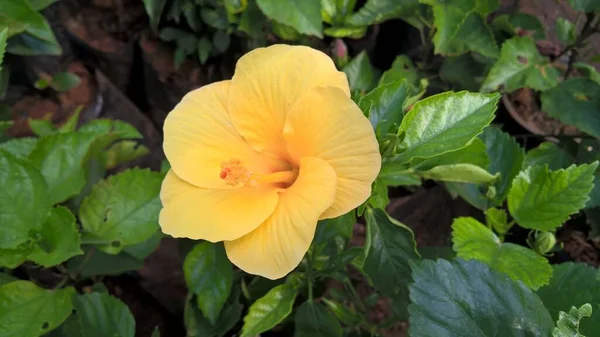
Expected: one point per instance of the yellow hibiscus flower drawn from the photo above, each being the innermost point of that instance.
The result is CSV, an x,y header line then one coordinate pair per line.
x,y
257,160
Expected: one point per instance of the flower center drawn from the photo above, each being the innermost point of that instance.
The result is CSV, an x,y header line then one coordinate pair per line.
x,y
234,173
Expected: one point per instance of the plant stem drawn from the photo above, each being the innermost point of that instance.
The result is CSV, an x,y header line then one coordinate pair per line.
x,y
62,282
589,28
83,263
355,298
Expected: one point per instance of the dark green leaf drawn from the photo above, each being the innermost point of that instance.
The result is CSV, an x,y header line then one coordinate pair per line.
x,y
467,298
269,310
303,16
385,105
576,102
313,320
460,27
57,240
173,34
253,21
397,174
102,315
123,209
463,72
62,82
29,311
549,154
345,314
39,5
221,41
204,49
24,200
389,248
585,5
192,17
209,275
61,158
517,24
574,284
473,240
444,123
520,65
101,263
377,11
3,37
361,74
543,200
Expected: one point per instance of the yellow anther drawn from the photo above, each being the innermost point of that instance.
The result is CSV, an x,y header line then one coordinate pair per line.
x,y
234,173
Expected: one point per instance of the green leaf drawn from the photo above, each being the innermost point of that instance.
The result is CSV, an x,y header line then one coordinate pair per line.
x,y
221,41
14,257
385,105
543,200
303,16
474,153
361,74
397,174
71,124
102,315
350,32
64,81
377,11
460,27
313,320
123,209
24,200
3,37
269,310
576,102
345,314
565,31
463,72
520,65
389,248
61,158
111,130
216,18
517,24
585,5
252,21
29,311
204,49
41,127
573,284
96,262
444,123
39,5
19,147
473,240
497,219
568,323
209,275
456,299
57,240
506,158
462,173
588,71
124,151
198,326
550,154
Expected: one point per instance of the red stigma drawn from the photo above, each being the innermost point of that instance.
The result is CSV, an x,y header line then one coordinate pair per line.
x,y
223,174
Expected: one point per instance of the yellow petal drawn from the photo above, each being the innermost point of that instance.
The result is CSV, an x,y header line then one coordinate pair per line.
x,y
199,136
325,123
279,244
212,215
267,82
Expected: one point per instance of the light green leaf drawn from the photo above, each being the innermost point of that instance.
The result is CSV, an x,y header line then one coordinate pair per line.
x,y
455,299
61,158
24,200
57,240
460,27
444,123
506,158
520,65
303,16
576,102
543,200
124,151
377,11
313,320
39,5
349,32
209,275
516,24
123,209
64,81
497,219
19,147
71,124
41,127
361,74
565,31
473,240
269,310
13,257
462,173
395,173
29,311
3,37
568,323
550,154
588,71
585,5
389,248
574,284
474,153
102,315
384,105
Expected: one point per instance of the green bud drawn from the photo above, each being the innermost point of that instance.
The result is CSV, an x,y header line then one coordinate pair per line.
x,y
544,242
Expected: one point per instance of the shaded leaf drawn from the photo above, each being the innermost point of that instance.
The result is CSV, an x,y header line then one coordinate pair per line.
x,y
303,16
269,310
102,315
57,240
361,74
313,320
